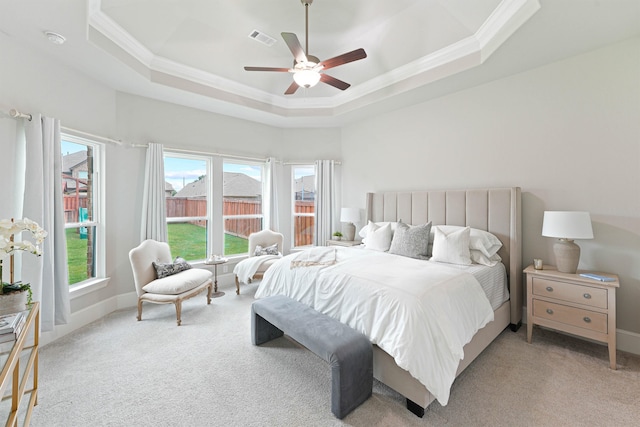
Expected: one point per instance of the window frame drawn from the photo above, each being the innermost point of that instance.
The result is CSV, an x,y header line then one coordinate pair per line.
x,y
263,191
295,214
208,218
99,280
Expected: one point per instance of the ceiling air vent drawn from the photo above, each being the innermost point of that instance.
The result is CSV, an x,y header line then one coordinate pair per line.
x,y
262,37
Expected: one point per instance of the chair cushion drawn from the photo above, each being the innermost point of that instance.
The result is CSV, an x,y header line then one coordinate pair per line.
x,y
265,265
178,283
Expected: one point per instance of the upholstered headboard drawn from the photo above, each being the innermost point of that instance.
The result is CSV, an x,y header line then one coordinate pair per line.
x,y
497,210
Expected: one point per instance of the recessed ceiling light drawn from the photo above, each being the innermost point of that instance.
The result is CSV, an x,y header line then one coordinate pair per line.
x,y
55,38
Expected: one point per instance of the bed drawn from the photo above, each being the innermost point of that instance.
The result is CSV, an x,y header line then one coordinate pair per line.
x,y
495,210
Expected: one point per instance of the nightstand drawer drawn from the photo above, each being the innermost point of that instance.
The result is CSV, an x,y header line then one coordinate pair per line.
x,y
571,316
580,294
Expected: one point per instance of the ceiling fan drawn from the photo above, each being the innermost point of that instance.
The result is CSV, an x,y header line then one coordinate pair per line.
x,y
307,69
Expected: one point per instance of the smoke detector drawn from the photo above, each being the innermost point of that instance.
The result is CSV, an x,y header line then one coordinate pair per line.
x,y
55,38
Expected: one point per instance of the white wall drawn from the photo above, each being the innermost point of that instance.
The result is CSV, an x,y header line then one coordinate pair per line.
x,y
40,85
567,133
142,120
32,83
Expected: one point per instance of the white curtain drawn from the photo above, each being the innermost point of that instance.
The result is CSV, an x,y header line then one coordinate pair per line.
x,y
325,201
48,274
154,209
271,191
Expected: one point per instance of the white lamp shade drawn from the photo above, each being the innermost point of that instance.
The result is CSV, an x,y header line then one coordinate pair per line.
x,y
306,78
351,215
567,225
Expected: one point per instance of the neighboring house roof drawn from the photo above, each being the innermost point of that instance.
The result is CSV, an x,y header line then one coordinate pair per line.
x,y
241,185
168,188
235,185
73,160
306,184
193,189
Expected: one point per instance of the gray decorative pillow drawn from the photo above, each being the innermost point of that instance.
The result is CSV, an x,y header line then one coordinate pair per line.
x,y
165,269
411,240
268,250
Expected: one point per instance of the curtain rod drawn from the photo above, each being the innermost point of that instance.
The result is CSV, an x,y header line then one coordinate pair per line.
x,y
208,153
337,162
19,115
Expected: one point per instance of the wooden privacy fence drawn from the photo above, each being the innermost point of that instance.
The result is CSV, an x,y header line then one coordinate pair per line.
x,y
71,203
242,227
303,225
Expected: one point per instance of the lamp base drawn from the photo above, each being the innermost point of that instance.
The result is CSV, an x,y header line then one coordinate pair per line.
x,y
348,231
567,255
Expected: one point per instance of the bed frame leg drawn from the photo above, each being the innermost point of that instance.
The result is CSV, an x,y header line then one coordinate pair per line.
x,y
515,326
415,408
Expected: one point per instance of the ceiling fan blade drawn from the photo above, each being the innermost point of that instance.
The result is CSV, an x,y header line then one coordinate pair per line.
x,y
325,78
292,89
345,58
294,46
284,70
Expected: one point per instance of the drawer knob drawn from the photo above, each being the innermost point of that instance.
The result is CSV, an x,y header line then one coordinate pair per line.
x,y
549,311
587,319
587,296
549,289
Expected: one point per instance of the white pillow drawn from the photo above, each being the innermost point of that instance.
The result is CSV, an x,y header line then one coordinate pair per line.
x,y
364,230
378,238
479,240
479,258
451,246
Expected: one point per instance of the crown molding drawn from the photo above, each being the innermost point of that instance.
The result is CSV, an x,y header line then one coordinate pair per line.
x,y
464,54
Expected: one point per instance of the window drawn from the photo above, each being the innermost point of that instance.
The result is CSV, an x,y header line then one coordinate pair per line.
x,y
187,201
304,196
242,204
82,200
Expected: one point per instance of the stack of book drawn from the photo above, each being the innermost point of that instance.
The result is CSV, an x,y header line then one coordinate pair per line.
x,y
11,325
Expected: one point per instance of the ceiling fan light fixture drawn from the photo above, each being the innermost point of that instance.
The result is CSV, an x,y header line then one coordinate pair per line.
x,y
306,78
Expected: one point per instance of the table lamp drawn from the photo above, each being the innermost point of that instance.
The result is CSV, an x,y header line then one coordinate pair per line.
x,y
349,217
567,226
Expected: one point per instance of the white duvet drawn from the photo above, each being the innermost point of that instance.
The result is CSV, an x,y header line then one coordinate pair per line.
x,y
421,313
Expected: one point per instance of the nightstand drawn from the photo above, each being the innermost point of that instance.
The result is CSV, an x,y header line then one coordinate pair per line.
x,y
574,304
343,242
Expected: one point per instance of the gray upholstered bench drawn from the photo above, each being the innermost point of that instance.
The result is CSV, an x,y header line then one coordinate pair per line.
x,y
348,352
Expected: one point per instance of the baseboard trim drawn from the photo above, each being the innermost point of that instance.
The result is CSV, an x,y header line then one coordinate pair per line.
x,y
89,314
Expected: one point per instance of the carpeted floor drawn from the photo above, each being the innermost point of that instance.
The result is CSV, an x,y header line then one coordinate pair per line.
x,y
120,372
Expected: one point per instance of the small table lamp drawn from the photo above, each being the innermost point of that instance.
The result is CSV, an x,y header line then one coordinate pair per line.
x,y
567,226
349,216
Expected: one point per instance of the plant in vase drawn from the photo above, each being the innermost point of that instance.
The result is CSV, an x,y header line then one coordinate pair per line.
x,y
337,235
8,246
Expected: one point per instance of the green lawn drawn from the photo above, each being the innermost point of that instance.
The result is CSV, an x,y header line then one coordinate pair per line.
x,y
185,240
190,241
76,256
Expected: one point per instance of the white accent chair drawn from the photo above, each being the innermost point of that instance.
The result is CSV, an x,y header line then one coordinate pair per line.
x,y
263,238
168,290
